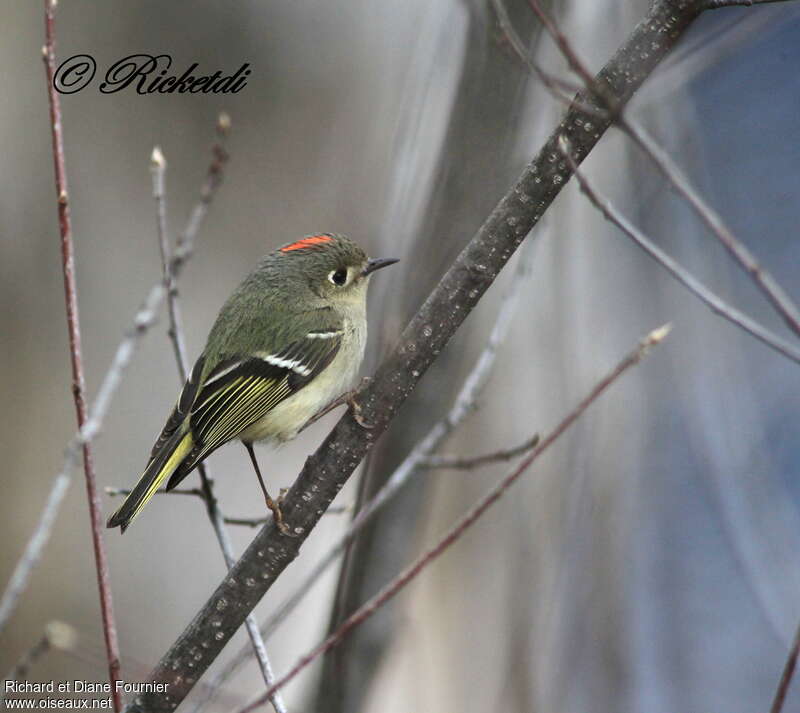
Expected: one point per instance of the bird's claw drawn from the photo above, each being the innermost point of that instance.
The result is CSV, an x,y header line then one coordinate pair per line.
x,y
355,409
277,514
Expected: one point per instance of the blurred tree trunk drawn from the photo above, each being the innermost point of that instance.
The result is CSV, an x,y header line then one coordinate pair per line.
x,y
475,166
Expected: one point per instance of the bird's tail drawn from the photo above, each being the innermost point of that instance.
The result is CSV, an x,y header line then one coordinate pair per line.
x,y
160,467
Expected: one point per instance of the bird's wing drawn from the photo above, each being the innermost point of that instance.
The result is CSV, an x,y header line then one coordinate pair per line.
x,y
181,410
239,391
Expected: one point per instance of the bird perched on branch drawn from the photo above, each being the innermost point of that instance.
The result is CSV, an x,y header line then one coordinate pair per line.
x,y
286,343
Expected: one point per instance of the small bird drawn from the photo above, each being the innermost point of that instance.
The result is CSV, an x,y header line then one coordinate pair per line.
x,y
287,342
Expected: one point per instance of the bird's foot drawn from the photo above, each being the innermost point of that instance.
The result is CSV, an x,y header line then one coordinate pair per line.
x,y
348,398
277,514
355,406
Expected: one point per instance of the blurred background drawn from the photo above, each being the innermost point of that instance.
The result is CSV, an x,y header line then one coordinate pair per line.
x,y
649,562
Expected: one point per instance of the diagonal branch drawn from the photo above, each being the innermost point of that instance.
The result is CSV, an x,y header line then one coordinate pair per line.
x,y
787,675
33,549
680,273
469,518
143,320
457,293
775,294
464,404
78,381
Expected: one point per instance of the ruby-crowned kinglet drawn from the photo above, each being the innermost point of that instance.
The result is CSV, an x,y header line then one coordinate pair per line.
x,y
287,342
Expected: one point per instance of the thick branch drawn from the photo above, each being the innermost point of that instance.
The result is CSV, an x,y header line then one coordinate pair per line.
x,y
455,296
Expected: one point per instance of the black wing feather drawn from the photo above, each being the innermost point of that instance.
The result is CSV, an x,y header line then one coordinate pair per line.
x,y
240,391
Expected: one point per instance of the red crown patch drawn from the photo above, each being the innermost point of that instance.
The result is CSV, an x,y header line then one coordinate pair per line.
x,y
307,243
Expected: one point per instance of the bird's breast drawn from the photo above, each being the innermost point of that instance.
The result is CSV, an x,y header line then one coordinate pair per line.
x,y
284,421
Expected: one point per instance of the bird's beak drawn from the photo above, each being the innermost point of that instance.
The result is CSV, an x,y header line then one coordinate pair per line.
x,y
377,264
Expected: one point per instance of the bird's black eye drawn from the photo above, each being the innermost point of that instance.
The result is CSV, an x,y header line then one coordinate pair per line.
x,y
338,277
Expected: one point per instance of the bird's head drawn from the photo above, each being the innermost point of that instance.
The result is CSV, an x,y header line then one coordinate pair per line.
x,y
335,267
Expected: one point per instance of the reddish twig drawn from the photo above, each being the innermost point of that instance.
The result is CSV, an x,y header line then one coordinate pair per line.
x,y
787,675
399,582
78,382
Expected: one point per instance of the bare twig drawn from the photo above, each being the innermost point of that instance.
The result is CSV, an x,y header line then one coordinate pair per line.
x,y
717,4
259,521
774,293
158,167
115,492
168,267
143,319
461,463
197,492
185,244
78,381
680,273
463,405
557,86
787,675
472,515
57,635
33,550
563,44
424,338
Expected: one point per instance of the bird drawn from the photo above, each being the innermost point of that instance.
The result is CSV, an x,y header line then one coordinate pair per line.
x,y
287,342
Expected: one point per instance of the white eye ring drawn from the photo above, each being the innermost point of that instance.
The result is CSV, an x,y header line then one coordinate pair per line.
x,y
339,277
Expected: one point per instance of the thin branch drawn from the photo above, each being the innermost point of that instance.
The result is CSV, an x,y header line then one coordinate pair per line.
x,y
158,167
116,492
259,521
33,550
774,293
57,635
461,463
197,492
78,381
717,304
717,4
556,85
453,298
469,519
143,319
463,405
168,267
787,675
572,58
185,244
